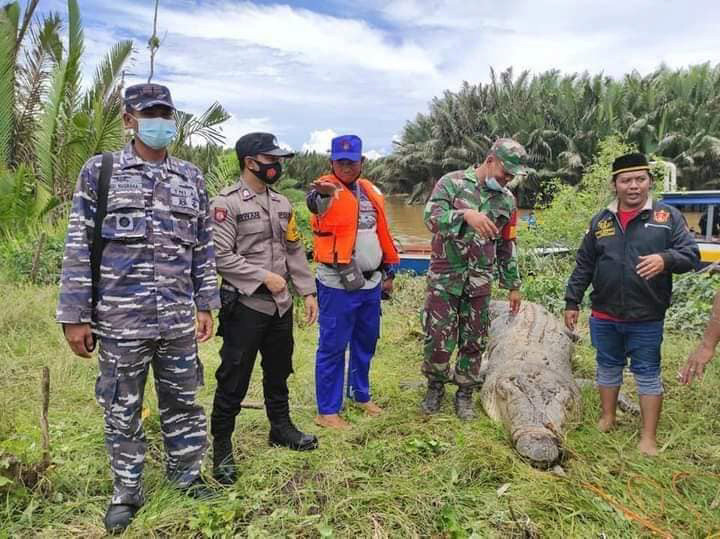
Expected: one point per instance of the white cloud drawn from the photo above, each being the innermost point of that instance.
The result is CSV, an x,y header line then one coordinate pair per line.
x,y
288,70
374,154
319,141
235,128
285,146
298,33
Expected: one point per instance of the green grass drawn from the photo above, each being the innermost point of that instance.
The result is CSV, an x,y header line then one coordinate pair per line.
x,y
400,475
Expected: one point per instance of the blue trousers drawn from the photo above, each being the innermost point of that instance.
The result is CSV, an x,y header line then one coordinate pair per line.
x,y
345,318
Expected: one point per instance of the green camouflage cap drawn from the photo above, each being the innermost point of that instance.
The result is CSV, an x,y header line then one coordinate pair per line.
x,y
513,156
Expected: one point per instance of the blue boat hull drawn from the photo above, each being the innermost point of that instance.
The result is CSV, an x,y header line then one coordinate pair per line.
x,y
416,264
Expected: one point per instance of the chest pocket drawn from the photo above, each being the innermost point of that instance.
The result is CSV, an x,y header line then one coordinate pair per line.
x,y
251,237
125,218
184,206
184,224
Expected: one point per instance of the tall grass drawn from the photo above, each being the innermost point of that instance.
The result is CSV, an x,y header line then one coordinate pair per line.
x,y
400,475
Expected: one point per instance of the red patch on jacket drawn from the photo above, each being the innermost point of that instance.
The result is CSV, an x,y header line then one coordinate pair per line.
x,y
220,214
661,216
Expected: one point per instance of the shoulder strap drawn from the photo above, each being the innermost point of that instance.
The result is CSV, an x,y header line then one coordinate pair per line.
x,y
98,244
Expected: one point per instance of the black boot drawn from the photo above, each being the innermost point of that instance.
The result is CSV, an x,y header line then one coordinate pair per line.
x,y
200,490
464,403
118,517
433,398
282,431
285,434
224,470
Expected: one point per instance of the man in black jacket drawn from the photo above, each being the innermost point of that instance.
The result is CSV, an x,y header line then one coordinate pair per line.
x,y
629,254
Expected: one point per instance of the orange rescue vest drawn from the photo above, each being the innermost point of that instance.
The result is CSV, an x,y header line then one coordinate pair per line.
x,y
335,231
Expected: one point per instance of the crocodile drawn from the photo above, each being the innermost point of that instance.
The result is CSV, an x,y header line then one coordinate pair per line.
x,y
529,384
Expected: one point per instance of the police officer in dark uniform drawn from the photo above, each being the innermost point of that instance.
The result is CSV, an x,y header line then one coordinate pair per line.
x,y
258,250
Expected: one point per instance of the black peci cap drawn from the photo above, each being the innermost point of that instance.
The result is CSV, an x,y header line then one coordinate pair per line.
x,y
630,162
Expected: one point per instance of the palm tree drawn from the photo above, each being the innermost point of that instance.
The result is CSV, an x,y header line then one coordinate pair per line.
x,y
561,119
48,126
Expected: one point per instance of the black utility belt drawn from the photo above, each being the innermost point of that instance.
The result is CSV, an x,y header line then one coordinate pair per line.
x,y
365,274
262,289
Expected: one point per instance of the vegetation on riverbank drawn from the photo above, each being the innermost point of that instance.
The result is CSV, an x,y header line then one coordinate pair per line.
x,y
561,118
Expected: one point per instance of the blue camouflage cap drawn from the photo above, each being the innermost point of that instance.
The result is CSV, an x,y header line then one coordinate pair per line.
x,y
144,96
346,147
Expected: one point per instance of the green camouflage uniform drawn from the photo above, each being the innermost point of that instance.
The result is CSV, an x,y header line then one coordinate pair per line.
x,y
462,266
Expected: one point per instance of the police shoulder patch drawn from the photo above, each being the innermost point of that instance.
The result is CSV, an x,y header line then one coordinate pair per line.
x,y
220,214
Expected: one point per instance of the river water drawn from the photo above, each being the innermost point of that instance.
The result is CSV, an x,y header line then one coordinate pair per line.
x,y
406,222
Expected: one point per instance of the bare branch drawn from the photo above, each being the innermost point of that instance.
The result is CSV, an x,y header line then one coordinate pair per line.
x,y
153,43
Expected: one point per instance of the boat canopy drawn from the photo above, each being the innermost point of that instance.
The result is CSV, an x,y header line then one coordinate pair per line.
x,y
683,198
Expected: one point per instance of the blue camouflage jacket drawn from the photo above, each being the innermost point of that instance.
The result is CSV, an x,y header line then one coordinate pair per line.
x,y
159,262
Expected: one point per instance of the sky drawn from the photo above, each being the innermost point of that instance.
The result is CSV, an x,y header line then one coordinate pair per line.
x,y
307,71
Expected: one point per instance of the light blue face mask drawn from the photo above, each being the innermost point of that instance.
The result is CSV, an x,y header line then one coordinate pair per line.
x,y
157,133
492,183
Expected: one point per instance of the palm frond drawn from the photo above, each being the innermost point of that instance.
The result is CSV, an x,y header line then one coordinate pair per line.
x,y
8,35
32,80
205,127
27,20
46,138
223,173
75,49
107,73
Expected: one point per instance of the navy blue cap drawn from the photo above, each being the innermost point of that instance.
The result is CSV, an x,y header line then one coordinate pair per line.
x,y
144,96
259,143
346,147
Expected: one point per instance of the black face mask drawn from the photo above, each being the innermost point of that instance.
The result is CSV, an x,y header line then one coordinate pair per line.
x,y
269,173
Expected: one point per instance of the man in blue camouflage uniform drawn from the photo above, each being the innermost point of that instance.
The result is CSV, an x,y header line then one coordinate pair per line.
x,y
472,216
156,277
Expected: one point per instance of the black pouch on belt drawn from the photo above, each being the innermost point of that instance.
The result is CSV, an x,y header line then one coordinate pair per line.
x,y
228,299
350,276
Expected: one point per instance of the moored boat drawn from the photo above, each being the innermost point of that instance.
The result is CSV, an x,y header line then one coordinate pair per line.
x,y
703,219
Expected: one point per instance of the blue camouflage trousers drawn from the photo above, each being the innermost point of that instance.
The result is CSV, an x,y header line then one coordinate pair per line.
x,y
120,388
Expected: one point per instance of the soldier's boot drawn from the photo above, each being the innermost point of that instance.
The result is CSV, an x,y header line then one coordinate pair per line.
x,y
118,517
464,408
433,398
224,470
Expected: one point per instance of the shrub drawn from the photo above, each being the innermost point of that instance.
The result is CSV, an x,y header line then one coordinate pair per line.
x,y
692,302
563,221
18,251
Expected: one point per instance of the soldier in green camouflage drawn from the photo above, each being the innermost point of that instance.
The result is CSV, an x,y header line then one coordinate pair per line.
x,y
472,216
